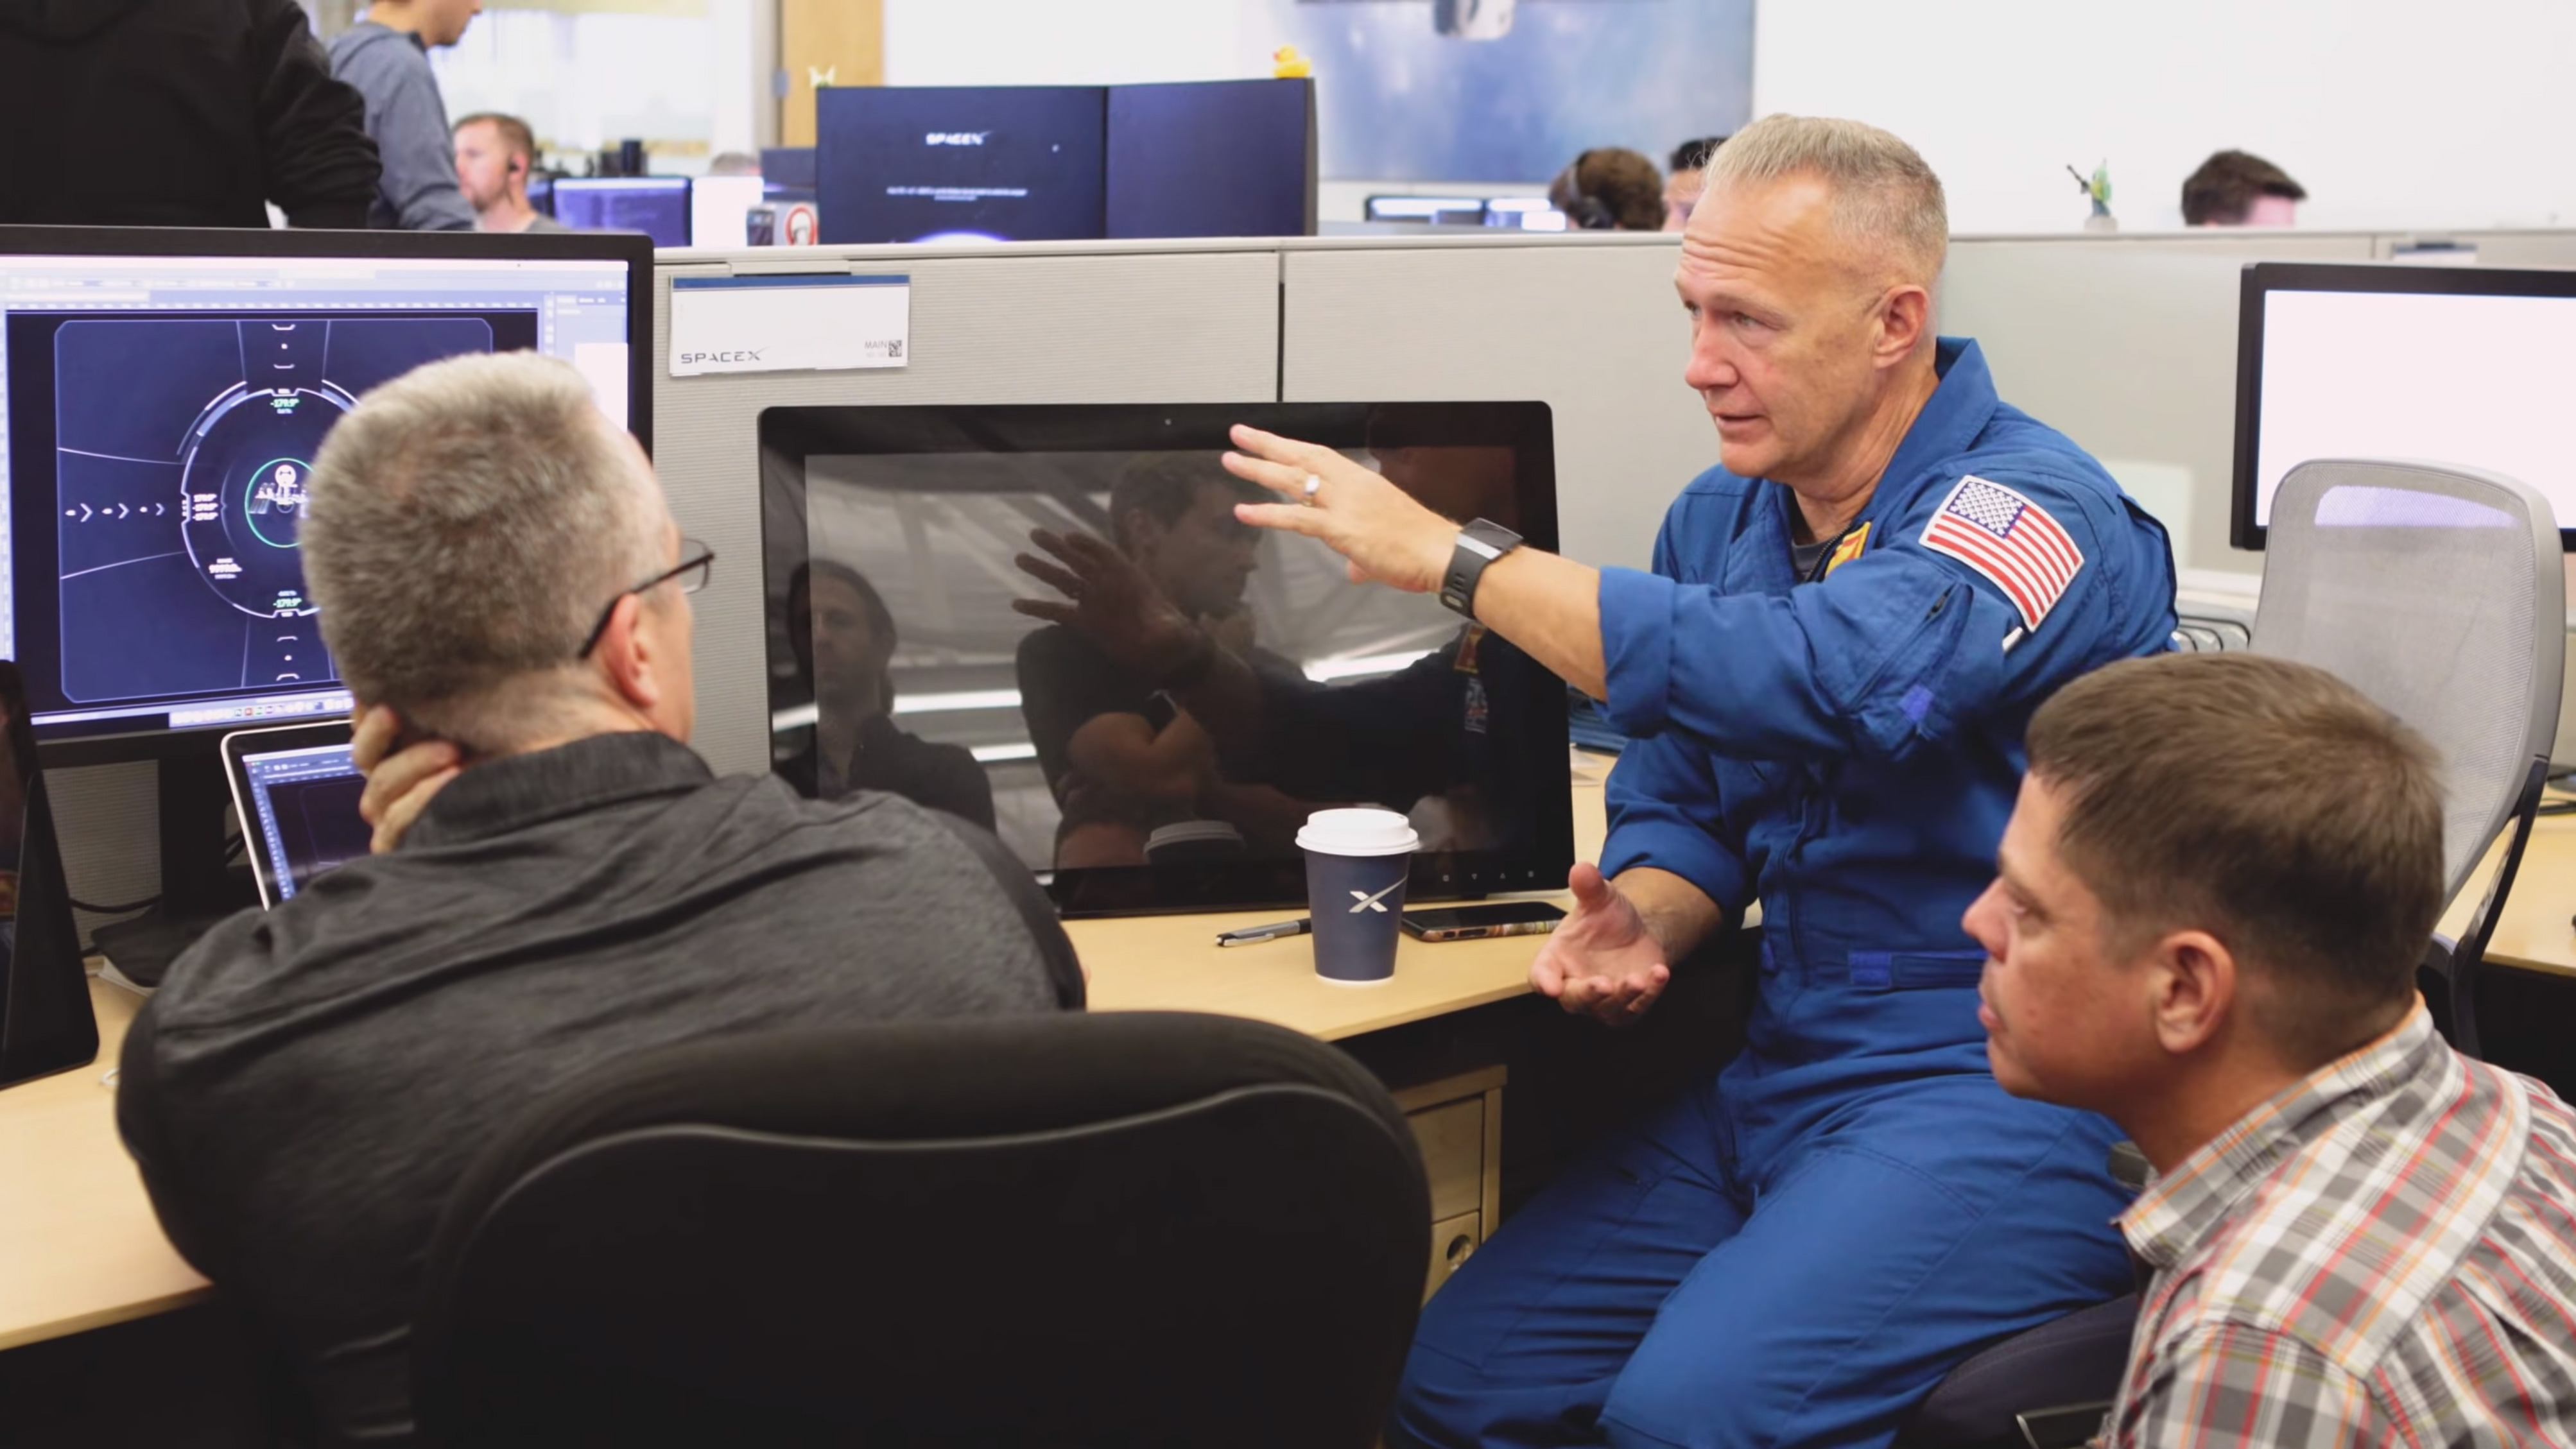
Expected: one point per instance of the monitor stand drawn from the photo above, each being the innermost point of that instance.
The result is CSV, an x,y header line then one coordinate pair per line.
x,y
198,886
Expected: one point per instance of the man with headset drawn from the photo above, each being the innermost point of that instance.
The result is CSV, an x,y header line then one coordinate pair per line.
x,y
494,154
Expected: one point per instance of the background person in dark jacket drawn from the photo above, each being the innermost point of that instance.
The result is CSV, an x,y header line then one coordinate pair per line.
x,y
175,113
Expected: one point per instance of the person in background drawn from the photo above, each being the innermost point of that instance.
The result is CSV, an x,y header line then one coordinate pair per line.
x,y
560,880
2214,890
176,113
1686,179
734,163
494,154
841,631
2235,188
386,57
1609,189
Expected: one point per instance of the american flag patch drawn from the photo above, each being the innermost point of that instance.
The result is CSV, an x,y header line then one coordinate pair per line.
x,y
2009,539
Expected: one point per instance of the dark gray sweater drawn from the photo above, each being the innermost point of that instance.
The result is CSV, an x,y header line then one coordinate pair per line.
x,y
312,1080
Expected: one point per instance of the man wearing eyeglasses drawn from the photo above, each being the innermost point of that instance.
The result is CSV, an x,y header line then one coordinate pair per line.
x,y
560,880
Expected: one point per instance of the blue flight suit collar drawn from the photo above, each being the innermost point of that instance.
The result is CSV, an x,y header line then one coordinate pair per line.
x,y
1961,405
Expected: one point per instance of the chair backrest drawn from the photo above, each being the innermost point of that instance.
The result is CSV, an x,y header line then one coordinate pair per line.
x,y
2440,592
1135,1228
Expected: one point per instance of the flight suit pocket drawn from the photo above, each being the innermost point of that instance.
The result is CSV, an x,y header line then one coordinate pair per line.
x,y
1916,970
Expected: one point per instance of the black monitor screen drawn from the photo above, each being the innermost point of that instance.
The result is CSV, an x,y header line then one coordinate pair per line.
x,y
1215,158
162,414
657,206
931,163
898,662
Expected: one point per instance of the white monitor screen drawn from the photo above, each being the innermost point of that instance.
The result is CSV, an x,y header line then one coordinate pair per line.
x,y
2484,381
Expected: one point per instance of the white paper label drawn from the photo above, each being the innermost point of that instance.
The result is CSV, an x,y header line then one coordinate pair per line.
x,y
789,323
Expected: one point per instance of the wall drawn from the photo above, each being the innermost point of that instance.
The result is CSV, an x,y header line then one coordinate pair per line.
x,y
1053,42
2392,113
689,77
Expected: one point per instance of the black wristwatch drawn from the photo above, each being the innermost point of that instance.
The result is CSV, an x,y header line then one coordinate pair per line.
x,y
1479,544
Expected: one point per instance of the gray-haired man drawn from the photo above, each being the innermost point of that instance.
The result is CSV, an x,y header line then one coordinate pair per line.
x,y
496,567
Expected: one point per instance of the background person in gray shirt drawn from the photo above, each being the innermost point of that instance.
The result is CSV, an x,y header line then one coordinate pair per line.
x,y
385,58
495,563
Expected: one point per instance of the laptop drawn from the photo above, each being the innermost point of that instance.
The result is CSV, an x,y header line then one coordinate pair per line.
x,y
296,790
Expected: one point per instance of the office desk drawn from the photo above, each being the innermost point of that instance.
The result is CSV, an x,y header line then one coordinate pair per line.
x,y
2535,931
80,1249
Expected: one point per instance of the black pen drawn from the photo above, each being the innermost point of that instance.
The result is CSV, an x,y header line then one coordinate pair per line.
x,y
1272,932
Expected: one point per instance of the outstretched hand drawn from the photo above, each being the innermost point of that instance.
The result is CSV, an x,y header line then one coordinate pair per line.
x,y
1107,600
1387,536
1602,962
400,782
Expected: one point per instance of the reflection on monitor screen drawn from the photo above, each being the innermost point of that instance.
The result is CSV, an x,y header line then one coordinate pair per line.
x,y
902,663
162,417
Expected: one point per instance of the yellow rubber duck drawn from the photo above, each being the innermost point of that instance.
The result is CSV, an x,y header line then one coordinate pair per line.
x,y
1287,64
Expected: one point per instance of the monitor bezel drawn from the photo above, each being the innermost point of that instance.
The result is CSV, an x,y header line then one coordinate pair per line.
x,y
2260,279
634,250
788,435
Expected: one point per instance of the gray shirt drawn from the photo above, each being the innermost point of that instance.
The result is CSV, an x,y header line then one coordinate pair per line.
x,y
408,120
311,1081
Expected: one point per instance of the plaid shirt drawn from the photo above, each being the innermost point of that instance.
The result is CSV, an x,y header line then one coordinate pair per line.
x,y
2383,1254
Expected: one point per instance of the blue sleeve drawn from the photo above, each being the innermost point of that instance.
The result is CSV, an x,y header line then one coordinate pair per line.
x,y
419,154
1666,810
1901,645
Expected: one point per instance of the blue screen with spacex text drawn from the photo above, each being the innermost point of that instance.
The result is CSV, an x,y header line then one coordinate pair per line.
x,y
160,423
941,163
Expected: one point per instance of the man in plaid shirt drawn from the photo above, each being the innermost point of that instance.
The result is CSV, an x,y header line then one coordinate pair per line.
x,y
2218,880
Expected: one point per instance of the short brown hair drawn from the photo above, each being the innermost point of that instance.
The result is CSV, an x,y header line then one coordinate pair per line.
x,y
2268,803
514,133
2222,191
1164,486
1610,188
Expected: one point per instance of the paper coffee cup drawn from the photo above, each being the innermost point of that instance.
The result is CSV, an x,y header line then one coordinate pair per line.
x,y
1356,863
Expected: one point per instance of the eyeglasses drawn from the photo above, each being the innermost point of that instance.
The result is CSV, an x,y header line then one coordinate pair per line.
x,y
697,565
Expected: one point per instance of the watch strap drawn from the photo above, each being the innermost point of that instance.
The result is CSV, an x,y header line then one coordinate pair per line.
x,y
1479,544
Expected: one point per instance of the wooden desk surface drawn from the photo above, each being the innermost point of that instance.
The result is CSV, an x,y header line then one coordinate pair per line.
x,y
1172,963
79,1247
2535,930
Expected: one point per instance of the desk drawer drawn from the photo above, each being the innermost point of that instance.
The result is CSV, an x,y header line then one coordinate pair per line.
x,y
1452,1241
1453,1155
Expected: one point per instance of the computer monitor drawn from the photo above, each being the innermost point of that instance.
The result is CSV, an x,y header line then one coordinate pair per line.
x,y
2450,365
1212,158
164,395
789,168
938,163
1429,210
657,206
296,790
898,662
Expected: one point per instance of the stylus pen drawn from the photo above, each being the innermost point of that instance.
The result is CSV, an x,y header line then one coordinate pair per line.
x,y
1272,932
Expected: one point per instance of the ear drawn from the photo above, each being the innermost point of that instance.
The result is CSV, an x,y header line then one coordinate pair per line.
x,y
626,659
1904,315
2193,984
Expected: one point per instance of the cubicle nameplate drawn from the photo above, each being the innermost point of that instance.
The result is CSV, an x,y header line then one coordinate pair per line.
x,y
795,323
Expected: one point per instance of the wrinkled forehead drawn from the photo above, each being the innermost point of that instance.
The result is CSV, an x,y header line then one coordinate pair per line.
x,y
1799,230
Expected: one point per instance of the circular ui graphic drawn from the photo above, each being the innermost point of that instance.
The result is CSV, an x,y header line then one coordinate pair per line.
x,y
248,462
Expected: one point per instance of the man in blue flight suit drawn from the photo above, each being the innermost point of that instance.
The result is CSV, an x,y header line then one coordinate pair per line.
x,y
1827,677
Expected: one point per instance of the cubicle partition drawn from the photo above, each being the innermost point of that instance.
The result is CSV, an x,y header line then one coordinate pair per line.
x,y
2125,342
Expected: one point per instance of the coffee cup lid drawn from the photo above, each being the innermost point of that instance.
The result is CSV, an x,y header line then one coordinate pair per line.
x,y
1358,832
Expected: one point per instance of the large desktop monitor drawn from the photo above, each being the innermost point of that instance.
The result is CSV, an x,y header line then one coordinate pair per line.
x,y
940,163
2455,365
657,206
1212,158
897,661
162,396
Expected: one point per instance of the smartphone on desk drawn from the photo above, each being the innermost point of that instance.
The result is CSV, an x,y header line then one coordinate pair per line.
x,y
1474,923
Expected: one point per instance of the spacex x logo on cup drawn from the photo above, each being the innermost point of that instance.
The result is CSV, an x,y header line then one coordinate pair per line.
x,y
739,355
955,138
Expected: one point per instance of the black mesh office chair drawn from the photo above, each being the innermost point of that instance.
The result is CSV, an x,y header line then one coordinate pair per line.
x,y
1148,1229
2440,593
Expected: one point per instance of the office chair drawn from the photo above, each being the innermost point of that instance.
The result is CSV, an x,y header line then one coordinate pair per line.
x,y
1137,1228
2440,593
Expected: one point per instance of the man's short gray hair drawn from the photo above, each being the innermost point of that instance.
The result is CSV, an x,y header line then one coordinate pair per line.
x,y
1884,194
468,522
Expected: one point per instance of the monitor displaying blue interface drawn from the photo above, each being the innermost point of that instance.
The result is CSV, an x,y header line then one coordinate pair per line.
x,y
1212,158
304,814
159,417
941,163
657,206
